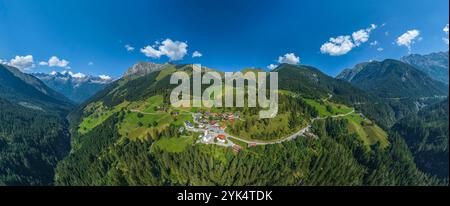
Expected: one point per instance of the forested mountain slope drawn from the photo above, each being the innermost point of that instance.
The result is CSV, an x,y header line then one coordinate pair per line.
x,y
426,134
128,134
33,129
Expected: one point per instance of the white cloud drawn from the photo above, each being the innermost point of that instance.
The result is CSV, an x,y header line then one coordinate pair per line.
x,y
105,77
374,43
175,50
343,44
22,62
272,66
337,46
129,48
149,51
197,54
407,39
445,39
289,58
90,63
54,61
380,49
362,35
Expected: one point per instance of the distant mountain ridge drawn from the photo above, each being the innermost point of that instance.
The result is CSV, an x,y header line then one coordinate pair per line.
x,y
348,74
29,91
436,65
75,86
393,79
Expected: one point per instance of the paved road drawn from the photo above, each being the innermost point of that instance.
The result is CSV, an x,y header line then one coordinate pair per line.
x,y
301,132
289,138
137,111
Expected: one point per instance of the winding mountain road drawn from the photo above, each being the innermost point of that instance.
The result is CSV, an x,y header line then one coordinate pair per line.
x,y
301,132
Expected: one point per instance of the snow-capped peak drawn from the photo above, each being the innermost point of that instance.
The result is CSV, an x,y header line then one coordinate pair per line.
x,y
105,77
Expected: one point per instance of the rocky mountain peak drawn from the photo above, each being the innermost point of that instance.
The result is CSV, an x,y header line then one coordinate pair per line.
x,y
144,68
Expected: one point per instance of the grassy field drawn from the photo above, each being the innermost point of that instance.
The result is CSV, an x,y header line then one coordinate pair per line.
x,y
99,114
369,132
149,105
165,72
135,127
144,118
328,108
173,144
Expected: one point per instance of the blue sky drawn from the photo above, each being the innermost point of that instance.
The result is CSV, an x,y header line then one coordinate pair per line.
x,y
91,34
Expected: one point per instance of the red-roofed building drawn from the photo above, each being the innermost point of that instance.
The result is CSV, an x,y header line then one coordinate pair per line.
x,y
221,136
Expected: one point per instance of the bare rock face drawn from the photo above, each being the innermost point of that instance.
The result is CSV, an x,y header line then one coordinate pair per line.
x,y
348,74
434,64
144,68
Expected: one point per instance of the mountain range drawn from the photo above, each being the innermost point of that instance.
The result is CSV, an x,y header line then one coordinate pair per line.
x,y
380,123
29,91
434,64
131,123
75,86
404,87
393,79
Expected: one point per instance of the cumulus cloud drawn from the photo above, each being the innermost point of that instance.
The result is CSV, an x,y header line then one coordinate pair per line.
x,y
343,44
149,51
362,35
445,39
54,61
197,54
380,49
272,66
374,43
174,50
407,39
129,48
289,58
22,62
337,46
